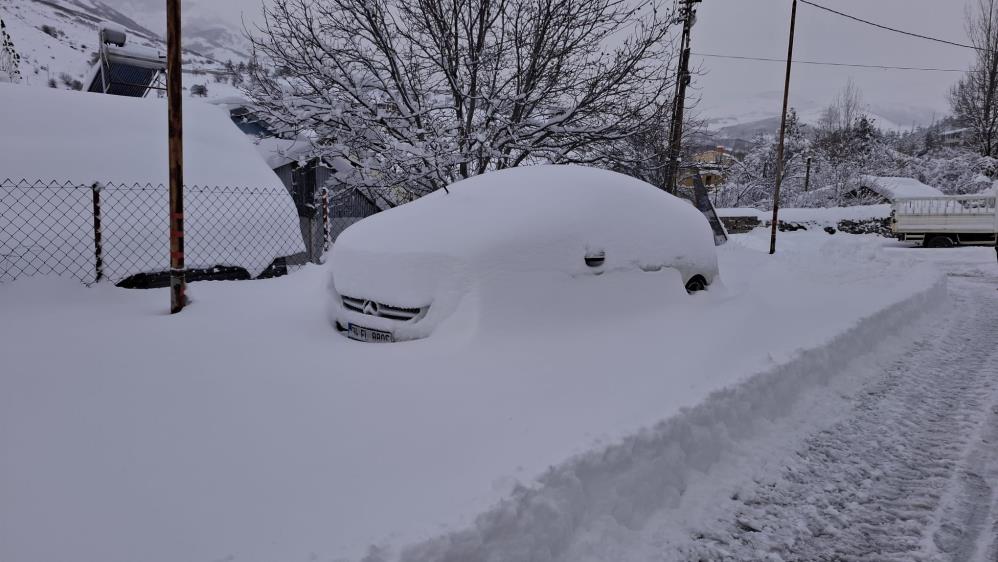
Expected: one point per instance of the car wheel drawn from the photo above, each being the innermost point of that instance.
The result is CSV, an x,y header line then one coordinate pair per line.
x,y
939,242
695,284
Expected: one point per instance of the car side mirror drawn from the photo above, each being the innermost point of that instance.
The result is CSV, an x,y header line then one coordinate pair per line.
x,y
595,259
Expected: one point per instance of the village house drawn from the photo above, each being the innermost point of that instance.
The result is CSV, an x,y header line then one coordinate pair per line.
x,y
713,164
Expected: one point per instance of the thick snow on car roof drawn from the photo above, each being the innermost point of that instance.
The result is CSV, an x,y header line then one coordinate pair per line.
x,y
532,204
68,136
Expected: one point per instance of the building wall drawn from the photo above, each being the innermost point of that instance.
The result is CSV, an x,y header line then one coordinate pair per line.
x,y
352,203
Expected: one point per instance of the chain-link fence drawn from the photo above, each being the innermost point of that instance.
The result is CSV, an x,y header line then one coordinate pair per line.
x,y
120,233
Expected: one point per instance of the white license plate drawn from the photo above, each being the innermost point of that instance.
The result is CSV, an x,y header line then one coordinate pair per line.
x,y
361,333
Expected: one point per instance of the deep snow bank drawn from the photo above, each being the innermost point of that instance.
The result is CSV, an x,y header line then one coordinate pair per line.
x,y
269,437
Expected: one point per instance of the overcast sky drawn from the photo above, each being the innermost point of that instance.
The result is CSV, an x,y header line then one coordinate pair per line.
x,y
760,28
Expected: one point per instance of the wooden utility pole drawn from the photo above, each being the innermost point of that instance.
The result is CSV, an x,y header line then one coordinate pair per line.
x,y
783,133
688,14
807,175
178,285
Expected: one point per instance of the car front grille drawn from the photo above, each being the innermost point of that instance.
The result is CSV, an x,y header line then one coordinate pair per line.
x,y
381,310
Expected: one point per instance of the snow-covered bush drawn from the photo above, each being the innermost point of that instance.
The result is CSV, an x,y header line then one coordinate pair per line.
x,y
840,157
954,171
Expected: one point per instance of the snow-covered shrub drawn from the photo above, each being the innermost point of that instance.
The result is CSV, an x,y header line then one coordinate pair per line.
x,y
954,171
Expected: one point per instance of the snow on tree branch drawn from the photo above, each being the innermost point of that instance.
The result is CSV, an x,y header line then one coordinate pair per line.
x,y
418,94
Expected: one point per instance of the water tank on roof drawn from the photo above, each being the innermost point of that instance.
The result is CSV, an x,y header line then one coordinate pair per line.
x,y
112,37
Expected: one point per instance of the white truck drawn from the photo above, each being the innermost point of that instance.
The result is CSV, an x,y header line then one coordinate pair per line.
x,y
943,222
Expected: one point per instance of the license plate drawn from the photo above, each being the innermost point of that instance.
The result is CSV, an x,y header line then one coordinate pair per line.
x,y
361,333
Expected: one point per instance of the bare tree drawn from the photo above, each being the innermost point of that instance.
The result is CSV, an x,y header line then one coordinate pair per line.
x,y
974,98
417,94
844,110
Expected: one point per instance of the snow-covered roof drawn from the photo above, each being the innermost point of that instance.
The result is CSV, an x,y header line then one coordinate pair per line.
x,y
78,138
67,136
230,102
896,188
279,152
955,131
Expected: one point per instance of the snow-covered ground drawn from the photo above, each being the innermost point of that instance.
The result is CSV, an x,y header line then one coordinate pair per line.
x,y
904,468
246,429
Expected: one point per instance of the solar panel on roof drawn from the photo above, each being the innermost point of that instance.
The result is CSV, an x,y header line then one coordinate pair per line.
x,y
126,71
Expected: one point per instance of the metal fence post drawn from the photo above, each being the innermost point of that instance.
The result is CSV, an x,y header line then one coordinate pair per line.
x,y
325,219
98,242
311,233
175,151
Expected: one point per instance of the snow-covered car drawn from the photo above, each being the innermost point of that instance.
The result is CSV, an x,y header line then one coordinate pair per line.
x,y
400,274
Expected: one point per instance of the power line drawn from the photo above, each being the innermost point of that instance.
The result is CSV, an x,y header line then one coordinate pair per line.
x,y
826,63
895,30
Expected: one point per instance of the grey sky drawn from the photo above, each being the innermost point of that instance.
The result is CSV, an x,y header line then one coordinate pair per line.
x,y
760,27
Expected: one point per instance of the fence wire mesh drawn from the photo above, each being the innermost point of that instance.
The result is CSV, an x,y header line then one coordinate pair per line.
x,y
120,232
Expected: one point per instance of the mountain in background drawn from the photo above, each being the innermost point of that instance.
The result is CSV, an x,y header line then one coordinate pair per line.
x,y
760,114
57,39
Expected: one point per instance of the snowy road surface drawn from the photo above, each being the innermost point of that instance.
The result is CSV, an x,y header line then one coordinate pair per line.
x,y
909,473
908,470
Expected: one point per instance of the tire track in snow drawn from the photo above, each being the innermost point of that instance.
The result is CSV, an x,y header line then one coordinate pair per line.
x,y
909,475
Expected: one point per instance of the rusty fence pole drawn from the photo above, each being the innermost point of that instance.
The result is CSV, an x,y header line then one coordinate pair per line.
x,y
98,242
178,284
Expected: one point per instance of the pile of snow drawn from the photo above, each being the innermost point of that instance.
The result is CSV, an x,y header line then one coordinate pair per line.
x,y
537,220
894,188
238,212
275,438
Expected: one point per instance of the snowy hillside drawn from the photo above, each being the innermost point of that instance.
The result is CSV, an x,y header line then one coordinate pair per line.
x,y
57,39
760,114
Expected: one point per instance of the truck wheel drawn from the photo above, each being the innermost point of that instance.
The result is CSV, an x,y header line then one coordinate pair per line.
x,y
939,241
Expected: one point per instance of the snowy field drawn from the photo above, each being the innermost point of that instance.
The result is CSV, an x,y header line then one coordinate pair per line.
x,y
246,429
